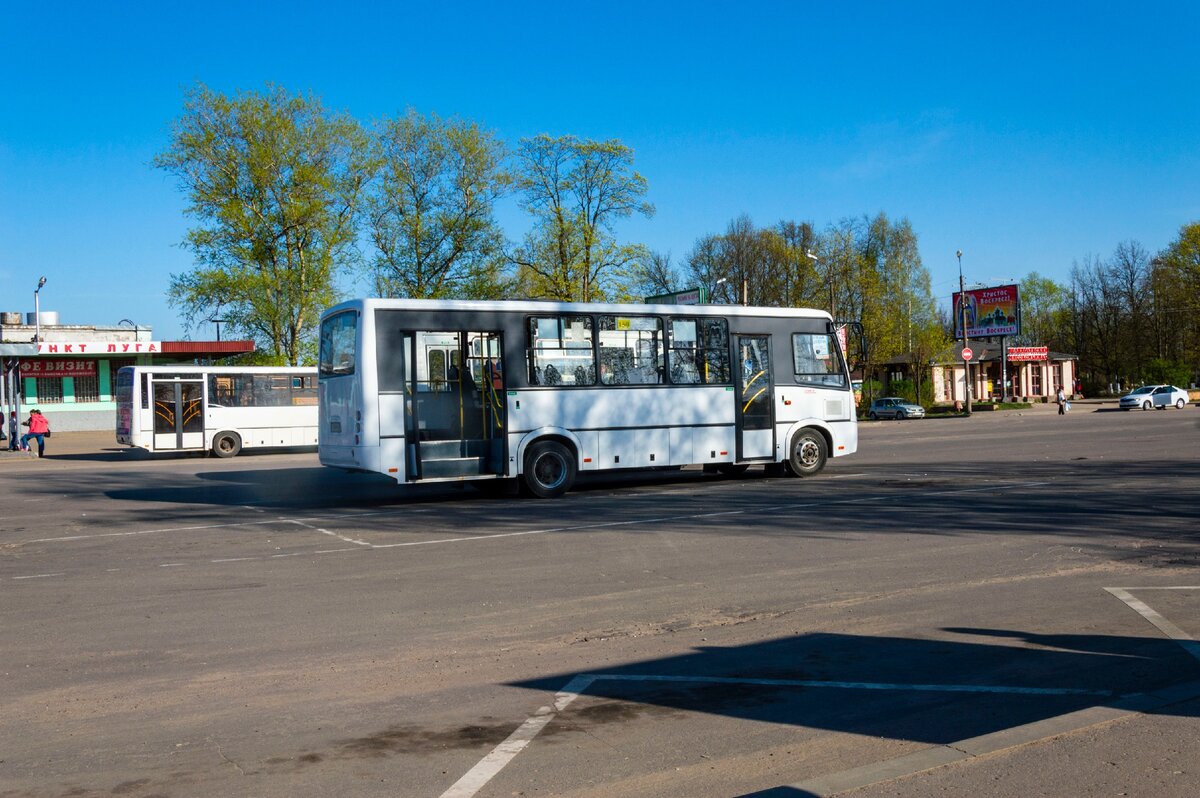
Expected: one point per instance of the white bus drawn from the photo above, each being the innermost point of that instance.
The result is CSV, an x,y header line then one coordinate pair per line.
x,y
426,390
220,408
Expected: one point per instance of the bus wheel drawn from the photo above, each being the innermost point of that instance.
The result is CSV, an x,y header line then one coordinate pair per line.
x,y
808,454
732,469
549,469
227,444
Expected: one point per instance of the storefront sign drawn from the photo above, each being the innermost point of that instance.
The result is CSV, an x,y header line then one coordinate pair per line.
x,y
98,347
989,311
1023,353
58,368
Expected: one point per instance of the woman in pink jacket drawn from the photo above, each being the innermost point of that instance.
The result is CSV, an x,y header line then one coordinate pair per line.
x,y
38,427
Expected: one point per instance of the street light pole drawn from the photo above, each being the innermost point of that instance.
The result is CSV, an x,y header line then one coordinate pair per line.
x,y
962,308
37,312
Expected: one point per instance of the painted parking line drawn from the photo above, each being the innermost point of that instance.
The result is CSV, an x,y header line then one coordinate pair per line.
x,y
1185,640
362,545
488,767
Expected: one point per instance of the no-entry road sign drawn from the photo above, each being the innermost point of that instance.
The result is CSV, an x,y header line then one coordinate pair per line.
x,y
967,353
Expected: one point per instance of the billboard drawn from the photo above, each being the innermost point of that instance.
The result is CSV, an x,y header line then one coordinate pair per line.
x,y
690,296
990,311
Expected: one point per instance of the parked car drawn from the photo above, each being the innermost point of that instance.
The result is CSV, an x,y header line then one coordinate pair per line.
x,y
1153,396
894,407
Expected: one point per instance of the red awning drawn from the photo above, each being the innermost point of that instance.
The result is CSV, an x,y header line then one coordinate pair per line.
x,y
207,348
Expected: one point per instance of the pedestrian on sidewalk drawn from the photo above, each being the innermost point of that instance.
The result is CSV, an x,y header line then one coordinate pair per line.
x,y
39,428
14,428
1062,402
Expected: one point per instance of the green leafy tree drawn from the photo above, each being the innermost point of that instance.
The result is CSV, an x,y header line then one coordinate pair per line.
x,y
430,212
274,182
1043,312
577,190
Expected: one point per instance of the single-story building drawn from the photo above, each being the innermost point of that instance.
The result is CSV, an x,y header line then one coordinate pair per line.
x,y
69,373
1034,373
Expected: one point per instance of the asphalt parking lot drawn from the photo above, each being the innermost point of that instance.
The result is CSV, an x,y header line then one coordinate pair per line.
x,y
1000,605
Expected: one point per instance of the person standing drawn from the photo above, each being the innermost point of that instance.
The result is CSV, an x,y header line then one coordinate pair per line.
x,y
1062,402
14,427
38,428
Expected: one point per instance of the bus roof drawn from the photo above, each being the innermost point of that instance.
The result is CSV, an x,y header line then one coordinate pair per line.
x,y
543,306
184,368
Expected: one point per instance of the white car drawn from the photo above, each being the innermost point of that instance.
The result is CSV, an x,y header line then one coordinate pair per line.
x,y
1152,396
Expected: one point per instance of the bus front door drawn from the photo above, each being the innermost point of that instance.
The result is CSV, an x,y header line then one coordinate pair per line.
x,y
457,424
178,414
756,408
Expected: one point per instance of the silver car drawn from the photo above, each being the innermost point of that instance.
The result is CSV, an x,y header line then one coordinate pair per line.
x,y
1155,396
894,407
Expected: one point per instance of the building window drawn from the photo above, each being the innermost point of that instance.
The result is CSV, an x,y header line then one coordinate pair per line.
x,y
49,390
1058,383
1035,378
87,389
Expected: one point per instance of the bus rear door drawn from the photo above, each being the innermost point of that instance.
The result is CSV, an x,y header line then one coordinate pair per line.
x,y
178,414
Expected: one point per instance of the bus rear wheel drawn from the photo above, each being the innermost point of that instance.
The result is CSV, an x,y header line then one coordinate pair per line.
x,y
227,444
807,454
549,469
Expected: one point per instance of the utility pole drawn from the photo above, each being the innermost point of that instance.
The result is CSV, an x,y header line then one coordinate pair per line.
x,y
962,311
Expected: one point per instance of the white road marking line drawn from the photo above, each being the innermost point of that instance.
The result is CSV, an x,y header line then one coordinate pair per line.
x,y
1189,644
170,564
474,779
38,576
327,532
502,754
366,545
413,511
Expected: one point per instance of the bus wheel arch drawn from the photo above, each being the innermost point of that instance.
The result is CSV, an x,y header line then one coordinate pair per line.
x,y
549,467
808,451
226,444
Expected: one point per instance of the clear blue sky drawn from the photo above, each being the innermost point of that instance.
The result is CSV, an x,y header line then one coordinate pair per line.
x,y
1028,134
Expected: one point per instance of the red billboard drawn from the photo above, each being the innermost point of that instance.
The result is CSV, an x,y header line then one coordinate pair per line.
x,y
58,368
989,311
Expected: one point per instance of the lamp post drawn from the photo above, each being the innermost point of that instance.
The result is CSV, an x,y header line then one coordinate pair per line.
x,y
134,325
962,311
808,253
37,312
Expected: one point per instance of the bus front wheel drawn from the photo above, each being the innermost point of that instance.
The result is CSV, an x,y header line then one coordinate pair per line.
x,y
807,454
549,469
227,444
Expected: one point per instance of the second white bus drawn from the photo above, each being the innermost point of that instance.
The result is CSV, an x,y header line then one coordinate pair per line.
x,y
425,390
223,409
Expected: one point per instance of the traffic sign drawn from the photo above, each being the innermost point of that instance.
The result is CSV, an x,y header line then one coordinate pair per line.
x,y
967,353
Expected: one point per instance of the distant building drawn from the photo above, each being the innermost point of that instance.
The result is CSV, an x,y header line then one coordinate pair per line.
x,y
69,374
1034,381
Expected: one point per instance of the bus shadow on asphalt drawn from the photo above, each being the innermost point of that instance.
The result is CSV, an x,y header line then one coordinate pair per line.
x,y
930,691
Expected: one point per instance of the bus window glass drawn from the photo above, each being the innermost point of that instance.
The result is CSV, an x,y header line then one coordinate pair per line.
x,y
817,359
699,351
304,391
339,335
631,350
561,351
